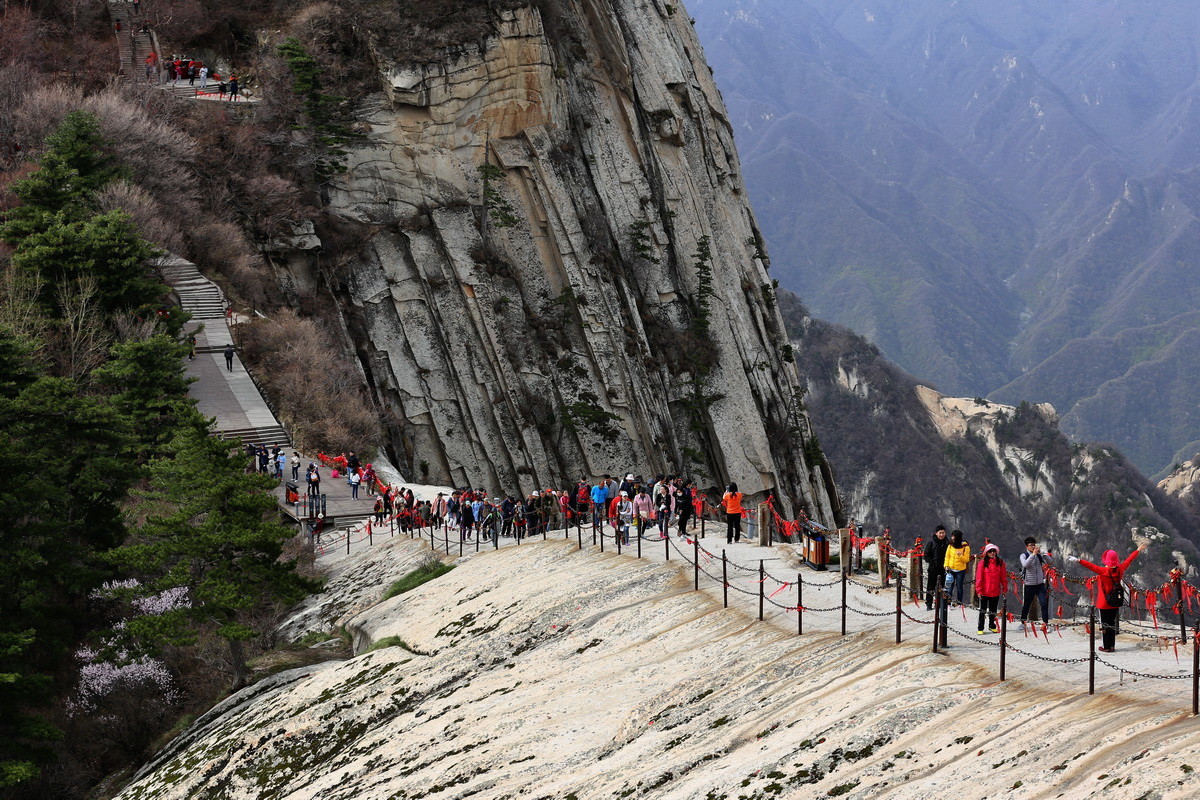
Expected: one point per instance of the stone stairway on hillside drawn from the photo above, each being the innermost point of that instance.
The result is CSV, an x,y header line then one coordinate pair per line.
x,y
134,46
231,398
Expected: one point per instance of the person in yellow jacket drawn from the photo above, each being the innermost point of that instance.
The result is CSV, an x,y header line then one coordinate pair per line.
x,y
958,558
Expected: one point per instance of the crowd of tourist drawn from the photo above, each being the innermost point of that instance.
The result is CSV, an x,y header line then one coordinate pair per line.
x,y
632,505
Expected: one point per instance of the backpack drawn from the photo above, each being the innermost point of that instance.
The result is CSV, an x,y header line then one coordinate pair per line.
x,y
1115,596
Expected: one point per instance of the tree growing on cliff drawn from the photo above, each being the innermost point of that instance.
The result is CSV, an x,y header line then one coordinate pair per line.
x,y
210,540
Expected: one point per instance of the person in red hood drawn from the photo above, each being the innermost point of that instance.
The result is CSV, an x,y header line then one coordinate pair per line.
x,y
991,581
1111,575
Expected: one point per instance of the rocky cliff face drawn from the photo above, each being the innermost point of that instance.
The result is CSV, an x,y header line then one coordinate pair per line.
x,y
595,298
1184,483
909,457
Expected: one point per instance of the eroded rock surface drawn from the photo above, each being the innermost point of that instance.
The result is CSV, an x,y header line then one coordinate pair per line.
x,y
545,672
502,331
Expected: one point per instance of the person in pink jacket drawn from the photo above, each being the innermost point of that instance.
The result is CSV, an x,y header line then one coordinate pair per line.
x,y
643,510
991,581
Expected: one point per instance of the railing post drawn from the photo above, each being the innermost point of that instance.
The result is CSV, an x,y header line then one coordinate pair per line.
x,y
945,617
448,543
370,534
799,604
937,617
1179,600
1196,672
1003,634
619,542
347,541
762,577
460,545
696,564
667,546
844,577
581,537
725,578
1092,651
899,604
431,547
618,530
639,545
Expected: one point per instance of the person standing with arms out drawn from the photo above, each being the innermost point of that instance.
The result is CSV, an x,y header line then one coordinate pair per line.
x,y
935,562
731,501
991,581
958,558
1033,574
1110,593
229,357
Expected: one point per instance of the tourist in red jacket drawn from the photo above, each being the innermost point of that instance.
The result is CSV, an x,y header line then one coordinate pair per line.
x,y
1111,575
991,581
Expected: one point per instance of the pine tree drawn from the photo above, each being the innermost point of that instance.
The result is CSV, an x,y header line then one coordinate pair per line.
x,y
74,167
64,458
210,534
106,246
147,383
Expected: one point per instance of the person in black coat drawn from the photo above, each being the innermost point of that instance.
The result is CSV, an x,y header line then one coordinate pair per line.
x,y
935,563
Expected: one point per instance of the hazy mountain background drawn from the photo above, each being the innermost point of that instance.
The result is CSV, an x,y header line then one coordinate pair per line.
x,y
1005,198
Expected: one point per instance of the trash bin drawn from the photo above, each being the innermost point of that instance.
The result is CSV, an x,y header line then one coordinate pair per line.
x,y
816,551
291,491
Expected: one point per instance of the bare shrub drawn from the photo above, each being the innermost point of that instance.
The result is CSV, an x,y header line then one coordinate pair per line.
x,y
222,248
155,227
315,387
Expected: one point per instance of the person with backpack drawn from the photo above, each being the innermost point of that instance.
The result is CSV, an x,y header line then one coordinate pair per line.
x,y
991,581
1110,592
1033,575
958,558
935,562
731,501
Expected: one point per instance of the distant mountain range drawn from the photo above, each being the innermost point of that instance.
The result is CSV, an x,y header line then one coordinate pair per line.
x,y
1005,198
910,458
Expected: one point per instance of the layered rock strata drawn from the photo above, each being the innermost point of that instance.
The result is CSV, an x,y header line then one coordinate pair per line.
x,y
596,297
